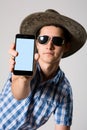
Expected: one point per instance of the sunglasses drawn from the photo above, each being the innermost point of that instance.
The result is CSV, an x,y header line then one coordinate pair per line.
x,y
58,41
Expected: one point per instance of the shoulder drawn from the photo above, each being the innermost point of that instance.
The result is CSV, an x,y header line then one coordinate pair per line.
x,y
63,88
61,81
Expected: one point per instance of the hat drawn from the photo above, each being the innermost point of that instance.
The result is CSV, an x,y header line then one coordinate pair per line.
x,y
32,23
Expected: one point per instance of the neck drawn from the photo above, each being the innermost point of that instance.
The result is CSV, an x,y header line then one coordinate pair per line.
x,y
48,70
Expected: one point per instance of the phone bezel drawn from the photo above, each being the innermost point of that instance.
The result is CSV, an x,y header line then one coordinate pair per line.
x,y
24,72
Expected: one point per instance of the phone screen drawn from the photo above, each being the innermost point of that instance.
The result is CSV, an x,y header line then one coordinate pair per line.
x,y
24,60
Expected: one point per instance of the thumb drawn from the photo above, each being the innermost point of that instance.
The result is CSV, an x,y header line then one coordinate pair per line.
x,y
37,56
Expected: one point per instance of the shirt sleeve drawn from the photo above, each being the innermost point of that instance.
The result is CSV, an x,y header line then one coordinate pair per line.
x,y
7,87
64,109
12,111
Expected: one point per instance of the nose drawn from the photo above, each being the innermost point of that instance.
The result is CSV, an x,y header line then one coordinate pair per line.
x,y
50,45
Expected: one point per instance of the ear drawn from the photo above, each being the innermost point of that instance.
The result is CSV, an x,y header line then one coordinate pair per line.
x,y
66,47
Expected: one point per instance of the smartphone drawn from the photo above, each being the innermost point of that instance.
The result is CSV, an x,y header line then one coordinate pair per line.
x,y
25,46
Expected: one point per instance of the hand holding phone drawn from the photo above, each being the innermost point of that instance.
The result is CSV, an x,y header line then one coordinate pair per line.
x,y
25,46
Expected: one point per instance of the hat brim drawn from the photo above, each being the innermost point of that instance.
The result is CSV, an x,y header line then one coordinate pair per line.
x,y
32,23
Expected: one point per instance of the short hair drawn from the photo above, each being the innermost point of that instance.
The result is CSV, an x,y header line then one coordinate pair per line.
x,y
67,35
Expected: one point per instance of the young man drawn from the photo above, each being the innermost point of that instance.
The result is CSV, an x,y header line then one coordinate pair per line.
x,y
26,103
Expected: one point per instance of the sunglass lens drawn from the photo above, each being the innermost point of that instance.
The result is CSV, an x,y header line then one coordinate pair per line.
x,y
58,41
42,39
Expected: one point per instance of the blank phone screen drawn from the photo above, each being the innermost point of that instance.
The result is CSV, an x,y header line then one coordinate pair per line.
x,y
25,49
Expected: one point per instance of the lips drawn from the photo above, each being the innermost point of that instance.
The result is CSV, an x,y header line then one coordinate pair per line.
x,y
49,53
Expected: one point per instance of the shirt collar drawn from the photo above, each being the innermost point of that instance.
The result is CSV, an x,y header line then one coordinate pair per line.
x,y
59,74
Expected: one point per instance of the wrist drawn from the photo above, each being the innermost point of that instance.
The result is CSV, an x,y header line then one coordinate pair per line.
x,y
20,87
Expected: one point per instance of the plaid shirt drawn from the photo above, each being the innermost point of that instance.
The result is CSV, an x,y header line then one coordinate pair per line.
x,y
52,96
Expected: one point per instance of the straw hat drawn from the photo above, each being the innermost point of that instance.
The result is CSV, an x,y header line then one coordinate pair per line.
x,y
32,23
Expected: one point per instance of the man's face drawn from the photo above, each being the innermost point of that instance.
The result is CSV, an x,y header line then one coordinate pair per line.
x,y
50,53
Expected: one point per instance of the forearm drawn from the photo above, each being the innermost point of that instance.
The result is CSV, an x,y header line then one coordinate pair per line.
x,y
20,87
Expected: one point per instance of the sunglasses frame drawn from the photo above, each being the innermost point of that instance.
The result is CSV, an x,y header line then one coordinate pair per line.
x,y
52,39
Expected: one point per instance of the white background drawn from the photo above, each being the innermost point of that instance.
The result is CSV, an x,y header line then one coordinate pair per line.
x,y
75,67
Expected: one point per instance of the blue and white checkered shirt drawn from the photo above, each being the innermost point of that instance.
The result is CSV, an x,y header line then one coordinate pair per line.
x,y
52,96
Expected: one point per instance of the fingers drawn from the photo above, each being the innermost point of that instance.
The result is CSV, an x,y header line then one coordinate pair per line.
x,y
11,64
13,53
12,50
